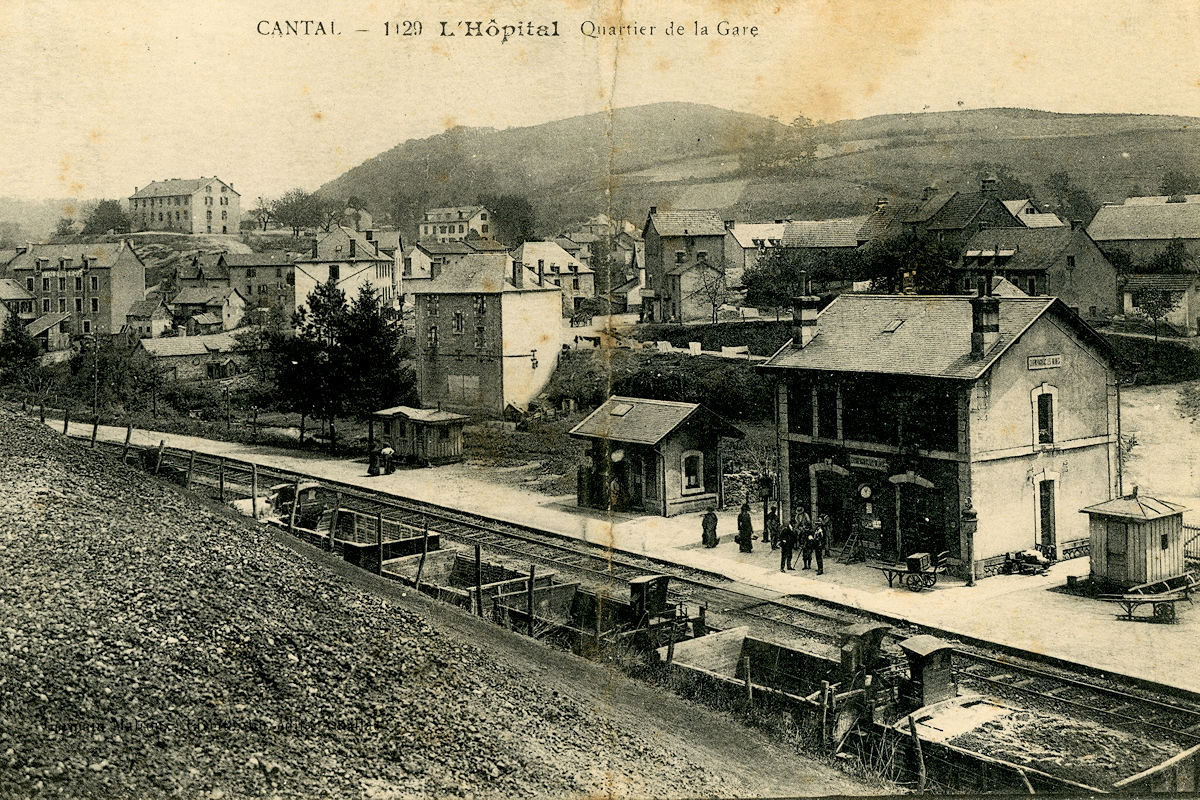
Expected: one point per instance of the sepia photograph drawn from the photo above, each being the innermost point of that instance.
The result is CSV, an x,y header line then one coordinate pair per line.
x,y
599,399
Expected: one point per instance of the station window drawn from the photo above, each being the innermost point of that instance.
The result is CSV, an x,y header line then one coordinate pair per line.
x,y
692,469
95,305
460,322
95,282
1045,414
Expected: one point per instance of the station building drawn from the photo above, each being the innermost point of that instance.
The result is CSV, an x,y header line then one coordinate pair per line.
x,y
896,411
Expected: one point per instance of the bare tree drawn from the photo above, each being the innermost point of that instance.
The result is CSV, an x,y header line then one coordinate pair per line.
x,y
714,287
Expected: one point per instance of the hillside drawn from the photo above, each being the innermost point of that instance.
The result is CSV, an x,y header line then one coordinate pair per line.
x,y
155,646
687,155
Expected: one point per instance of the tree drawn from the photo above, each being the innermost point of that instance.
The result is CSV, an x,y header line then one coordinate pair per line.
x,y
19,353
779,273
1068,200
1177,182
296,209
513,220
107,216
1172,259
368,355
911,259
64,227
1156,305
713,287
261,212
1008,185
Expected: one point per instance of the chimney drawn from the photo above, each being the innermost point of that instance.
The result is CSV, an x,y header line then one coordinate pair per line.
x,y
653,210
881,203
518,275
985,320
435,269
989,183
804,315
928,192
314,252
1076,224
352,248
729,223
541,272
778,222
370,234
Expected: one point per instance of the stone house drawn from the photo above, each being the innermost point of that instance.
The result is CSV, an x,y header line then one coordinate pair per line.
x,y
686,273
192,205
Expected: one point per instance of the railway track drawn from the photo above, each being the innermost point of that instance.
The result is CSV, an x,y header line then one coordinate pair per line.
x,y
1054,684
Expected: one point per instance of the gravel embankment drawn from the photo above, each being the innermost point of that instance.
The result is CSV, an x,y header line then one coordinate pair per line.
x,y
151,645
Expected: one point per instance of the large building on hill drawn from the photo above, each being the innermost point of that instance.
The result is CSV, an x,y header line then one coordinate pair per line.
x,y
686,273
79,289
191,205
488,335
453,224
895,412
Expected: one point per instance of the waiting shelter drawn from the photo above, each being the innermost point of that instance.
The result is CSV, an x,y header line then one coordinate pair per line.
x,y
1136,540
656,456
422,435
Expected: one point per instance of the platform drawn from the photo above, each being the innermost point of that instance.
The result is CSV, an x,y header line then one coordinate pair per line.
x,y
1016,611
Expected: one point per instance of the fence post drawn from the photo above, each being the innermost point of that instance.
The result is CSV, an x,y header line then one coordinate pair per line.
x,y
529,598
333,522
478,581
379,543
66,419
42,412
128,434
295,503
749,684
95,429
254,490
424,551
191,466
221,478
162,445
912,729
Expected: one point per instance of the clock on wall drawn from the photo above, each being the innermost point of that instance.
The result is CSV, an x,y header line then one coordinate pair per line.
x,y
864,492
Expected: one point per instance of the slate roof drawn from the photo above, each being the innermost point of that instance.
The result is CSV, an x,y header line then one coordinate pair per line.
x,y
207,319
886,221
46,322
638,420
933,339
479,273
432,416
105,254
1137,507
486,246
189,345
327,248
202,296
445,248
841,232
530,252
11,290
208,264
1146,221
388,240
1034,218
688,222
570,245
431,214
1160,282
170,187
749,234
1016,248
269,259
143,308
924,210
960,209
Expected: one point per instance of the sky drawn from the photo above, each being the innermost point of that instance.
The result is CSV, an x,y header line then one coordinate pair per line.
x,y
100,97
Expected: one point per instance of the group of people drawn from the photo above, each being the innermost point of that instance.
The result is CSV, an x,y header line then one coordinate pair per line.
x,y
812,536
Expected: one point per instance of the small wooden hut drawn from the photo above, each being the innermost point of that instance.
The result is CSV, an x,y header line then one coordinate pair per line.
x,y
1136,540
422,435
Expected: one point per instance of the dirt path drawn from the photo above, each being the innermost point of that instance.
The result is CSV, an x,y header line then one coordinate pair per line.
x,y
1166,461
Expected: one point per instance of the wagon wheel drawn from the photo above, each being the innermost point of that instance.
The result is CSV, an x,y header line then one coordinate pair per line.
x,y
1164,612
929,578
914,582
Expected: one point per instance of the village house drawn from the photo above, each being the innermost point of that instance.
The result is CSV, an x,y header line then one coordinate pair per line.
x,y
193,205
1144,226
747,242
195,358
896,413
551,263
654,456
686,275
15,300
80,289
954,217
1060,261
348,259
488,335
455,223
1182,289
214,309
264,280
1028,214
149,318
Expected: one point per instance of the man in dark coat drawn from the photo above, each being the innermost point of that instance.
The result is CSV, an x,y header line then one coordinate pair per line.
x,y
820,542
745,534
787,543
771,530
709,525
